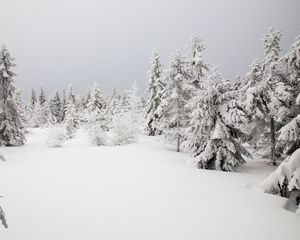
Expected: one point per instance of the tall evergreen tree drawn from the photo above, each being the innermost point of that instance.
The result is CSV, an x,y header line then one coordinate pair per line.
x,y
64,104
71,120
114,103
260,88
11,125
155,88
42,96
290,133
33,98
55,108
172,111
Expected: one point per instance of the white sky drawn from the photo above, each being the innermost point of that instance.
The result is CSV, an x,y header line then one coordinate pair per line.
x,y
62,42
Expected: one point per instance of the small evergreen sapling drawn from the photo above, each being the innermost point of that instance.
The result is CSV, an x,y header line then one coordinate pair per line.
x,y
56,136
123,129
97,135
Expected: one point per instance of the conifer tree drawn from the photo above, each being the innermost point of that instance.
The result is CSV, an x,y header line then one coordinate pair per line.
x,y
55,108
42,96
172,112
155,88
71,120
114,103
260,88
33,99
71,116
196,65
285,180
11,125
64,103
71,95
290,133
212,131
97,110
96,102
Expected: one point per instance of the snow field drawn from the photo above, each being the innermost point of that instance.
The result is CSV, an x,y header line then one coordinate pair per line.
x,y
136,191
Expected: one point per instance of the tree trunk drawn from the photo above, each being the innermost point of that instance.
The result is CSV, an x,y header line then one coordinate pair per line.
x,y
178,143
272,128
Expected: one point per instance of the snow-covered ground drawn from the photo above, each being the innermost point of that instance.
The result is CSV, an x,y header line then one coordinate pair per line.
x,y
143,190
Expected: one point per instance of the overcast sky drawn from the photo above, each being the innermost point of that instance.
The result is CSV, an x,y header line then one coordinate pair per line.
x,y
78,42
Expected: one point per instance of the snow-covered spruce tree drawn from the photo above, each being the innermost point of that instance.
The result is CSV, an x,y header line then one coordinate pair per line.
x,y
290,133
42,109
44,114
172,113
55,108
97,120
114,103
135,105
11,125
33,98
64,103
96,101
71,119
154,89
42,96
285,180
124,117
212,130
20,108
195,63
260,88
71,95
97,130
31,116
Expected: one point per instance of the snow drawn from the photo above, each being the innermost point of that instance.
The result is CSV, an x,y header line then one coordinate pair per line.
x,y
143,190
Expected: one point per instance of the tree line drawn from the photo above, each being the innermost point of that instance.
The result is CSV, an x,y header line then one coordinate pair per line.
x,y
189,102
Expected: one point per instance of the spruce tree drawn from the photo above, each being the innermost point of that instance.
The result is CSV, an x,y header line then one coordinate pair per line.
x,y
96,102
64,103
114,103
11,125
172,113
285,180
42,96
33,98
155,88
260,88
97,109
71,116
71,120
55,108
289,134
213,129
196,65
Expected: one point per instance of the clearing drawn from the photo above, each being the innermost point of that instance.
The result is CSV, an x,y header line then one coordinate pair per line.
x,y
139,191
